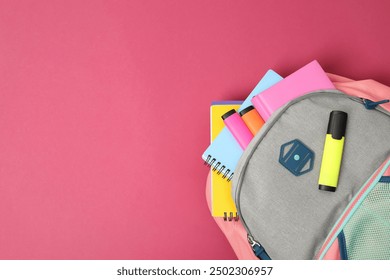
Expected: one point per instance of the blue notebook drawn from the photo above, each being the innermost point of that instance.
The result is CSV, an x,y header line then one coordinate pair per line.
x,y
224,152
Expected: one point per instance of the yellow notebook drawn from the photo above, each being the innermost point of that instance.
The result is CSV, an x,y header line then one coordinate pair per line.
x,y
222,204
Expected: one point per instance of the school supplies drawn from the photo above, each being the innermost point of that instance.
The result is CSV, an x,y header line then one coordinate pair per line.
x,y
309,78
237,128
252,119
217,109
333,151
222,204
224,152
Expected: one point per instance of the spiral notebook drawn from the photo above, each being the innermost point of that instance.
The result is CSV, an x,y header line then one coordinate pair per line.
x,y
309,78
222,204
224,152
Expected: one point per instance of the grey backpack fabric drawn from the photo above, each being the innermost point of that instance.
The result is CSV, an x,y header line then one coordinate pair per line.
x,y
285,212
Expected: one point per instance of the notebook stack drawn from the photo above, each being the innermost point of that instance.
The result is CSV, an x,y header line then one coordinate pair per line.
x,y
233,124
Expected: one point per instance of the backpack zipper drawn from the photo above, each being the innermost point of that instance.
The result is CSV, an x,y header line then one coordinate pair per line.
x,y
369,104
258,250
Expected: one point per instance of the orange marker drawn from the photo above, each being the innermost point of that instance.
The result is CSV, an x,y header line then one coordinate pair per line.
x,y
252,119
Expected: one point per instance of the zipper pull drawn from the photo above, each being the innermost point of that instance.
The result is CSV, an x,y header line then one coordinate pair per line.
x,y
258,249
369,104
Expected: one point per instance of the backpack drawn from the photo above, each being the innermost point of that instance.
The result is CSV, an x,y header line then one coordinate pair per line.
x,y
280,206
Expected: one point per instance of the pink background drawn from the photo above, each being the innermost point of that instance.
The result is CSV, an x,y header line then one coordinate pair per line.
x,y
104,112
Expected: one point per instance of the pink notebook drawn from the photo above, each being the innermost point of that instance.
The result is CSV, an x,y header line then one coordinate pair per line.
x,y
309,78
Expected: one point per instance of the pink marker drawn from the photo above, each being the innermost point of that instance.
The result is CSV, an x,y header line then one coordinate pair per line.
x,y
238,128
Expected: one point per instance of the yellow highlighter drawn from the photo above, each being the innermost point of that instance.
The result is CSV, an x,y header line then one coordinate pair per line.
x,y
333,151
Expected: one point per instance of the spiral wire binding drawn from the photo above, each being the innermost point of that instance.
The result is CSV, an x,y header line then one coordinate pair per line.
x,y
230,217
210,162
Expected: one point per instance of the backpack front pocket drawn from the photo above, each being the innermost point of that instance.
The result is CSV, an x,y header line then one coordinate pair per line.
x,y
363,231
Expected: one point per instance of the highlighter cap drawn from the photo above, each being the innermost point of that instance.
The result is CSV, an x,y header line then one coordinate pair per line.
x,y
246,110
337,124
228,114
327,188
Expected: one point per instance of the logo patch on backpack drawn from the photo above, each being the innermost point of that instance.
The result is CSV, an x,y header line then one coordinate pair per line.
x,y
296,157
